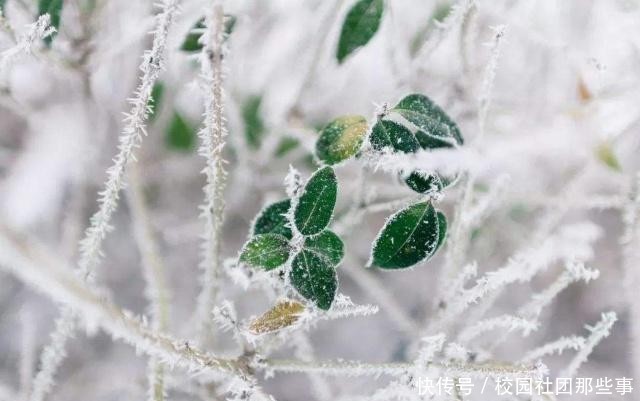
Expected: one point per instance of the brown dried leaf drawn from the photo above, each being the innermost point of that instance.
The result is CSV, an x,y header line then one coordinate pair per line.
x,y
282,315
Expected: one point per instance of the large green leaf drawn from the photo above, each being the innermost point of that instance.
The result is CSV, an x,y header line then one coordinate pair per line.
x,y
267,251
327,245
314,278
429,118
253,124
315,206
361,23
408,237
180,134
272,219
389,134
54,9
341,139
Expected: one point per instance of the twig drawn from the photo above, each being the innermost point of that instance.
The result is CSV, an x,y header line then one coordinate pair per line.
x,y
212,136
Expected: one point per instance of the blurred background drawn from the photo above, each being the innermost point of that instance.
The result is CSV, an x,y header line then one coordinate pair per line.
x,y
560,148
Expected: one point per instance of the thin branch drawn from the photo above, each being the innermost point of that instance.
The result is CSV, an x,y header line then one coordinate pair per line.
x,y
212,136
154,273
38,267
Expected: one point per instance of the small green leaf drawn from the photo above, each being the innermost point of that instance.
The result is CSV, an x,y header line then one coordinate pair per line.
x,y
266,250
606,155
327,245
314,278
341,139
315,206
192,41
361,23
272,220
424,182
408,237
180,135
54,9
157,93
429,118
388,134
286,145
253,125
442,229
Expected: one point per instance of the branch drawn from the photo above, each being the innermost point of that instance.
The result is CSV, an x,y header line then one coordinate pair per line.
x,y
39,268
212,136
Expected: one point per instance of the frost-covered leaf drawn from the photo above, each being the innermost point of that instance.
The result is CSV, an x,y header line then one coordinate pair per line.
x,y
314,278
389,134
326,244
361,23
442,229
253,124
341,139
315,206
266,250
272,219
408,237
180,135
283,314
429,118
54,9
192,41
423,182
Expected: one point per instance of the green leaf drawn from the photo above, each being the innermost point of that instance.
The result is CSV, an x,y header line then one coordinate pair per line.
x,y
424,182
341,139
442,229
54,9
429,118
192,41
315,206
327,245
267,251
2,2
253,124
272,220
408,237
607,156
388,134
286,145
180,135
361,23
314,278
157,93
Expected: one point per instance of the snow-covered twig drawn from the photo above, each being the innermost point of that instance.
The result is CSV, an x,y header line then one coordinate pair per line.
x,y
154,273
212,136
601,330
555,347
35,32
38,267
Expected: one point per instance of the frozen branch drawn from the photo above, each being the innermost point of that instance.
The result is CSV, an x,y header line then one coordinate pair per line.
x,y
555,347
35,32
601,330
39,268
154,274
212,136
